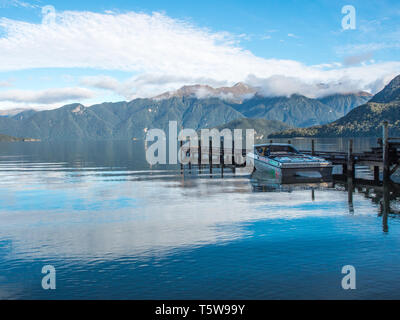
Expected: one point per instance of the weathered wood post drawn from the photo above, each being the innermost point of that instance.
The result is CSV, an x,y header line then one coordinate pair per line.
x,y
222,157
385,205
199,154
386,177
181,157
350,160
385,144
344,169
210,158
233,155
312,147
190,157
376,174
350,189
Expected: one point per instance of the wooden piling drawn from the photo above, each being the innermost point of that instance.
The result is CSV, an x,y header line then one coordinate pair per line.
x,y
199,156
233,156
385,145
210,156
350,189
181,157
385,205
312,147
350,160
190,158
376,174
344,169
222,160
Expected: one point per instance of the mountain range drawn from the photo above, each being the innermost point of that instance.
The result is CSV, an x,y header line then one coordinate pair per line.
x,y
237,93
291,110
363,121
262,127
192,106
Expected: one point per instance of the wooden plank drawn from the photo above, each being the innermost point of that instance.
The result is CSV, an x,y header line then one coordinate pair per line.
x,y
370,163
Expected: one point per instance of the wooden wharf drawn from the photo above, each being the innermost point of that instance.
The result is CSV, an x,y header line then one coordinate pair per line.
x,y
383,159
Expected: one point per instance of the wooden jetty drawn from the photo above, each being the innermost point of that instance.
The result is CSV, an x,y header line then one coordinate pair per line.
x,y
385,158
209,156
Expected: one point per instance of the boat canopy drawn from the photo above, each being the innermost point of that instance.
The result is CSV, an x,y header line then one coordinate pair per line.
x,y
275,149
271,144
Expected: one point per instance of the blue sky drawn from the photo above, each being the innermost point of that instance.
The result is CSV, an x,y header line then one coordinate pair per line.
x,y
97,51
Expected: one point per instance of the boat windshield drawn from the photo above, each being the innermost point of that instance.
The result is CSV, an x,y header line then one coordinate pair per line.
x,y
277,150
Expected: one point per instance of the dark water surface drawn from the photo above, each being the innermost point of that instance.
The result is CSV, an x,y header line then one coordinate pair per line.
x,y
114,228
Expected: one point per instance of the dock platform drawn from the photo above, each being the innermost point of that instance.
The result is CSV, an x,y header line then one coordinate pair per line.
x,y
384,159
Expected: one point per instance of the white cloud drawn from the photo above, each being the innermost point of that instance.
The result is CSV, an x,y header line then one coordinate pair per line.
x,y
286,86
17,3
145,85
5,84
358,58
363,48
164,53
48,96
101,82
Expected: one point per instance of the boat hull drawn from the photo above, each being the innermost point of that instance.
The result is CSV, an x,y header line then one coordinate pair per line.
x,y
295,175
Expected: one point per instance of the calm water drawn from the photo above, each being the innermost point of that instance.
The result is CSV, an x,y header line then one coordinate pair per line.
x,y
114,228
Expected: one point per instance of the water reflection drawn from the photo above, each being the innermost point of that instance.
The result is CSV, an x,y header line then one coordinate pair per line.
x,y
100,213
386,194
263,183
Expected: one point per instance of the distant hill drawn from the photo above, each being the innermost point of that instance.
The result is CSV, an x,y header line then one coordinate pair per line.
x,y
236,93
13,112
391,93
23,114
120,120
5,138
127,120
296,110
344,103
262,127
365,120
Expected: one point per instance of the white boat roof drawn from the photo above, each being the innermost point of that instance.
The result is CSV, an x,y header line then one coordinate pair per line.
x,y
272,144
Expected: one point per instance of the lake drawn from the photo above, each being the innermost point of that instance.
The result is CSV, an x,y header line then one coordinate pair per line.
x,y
115,228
